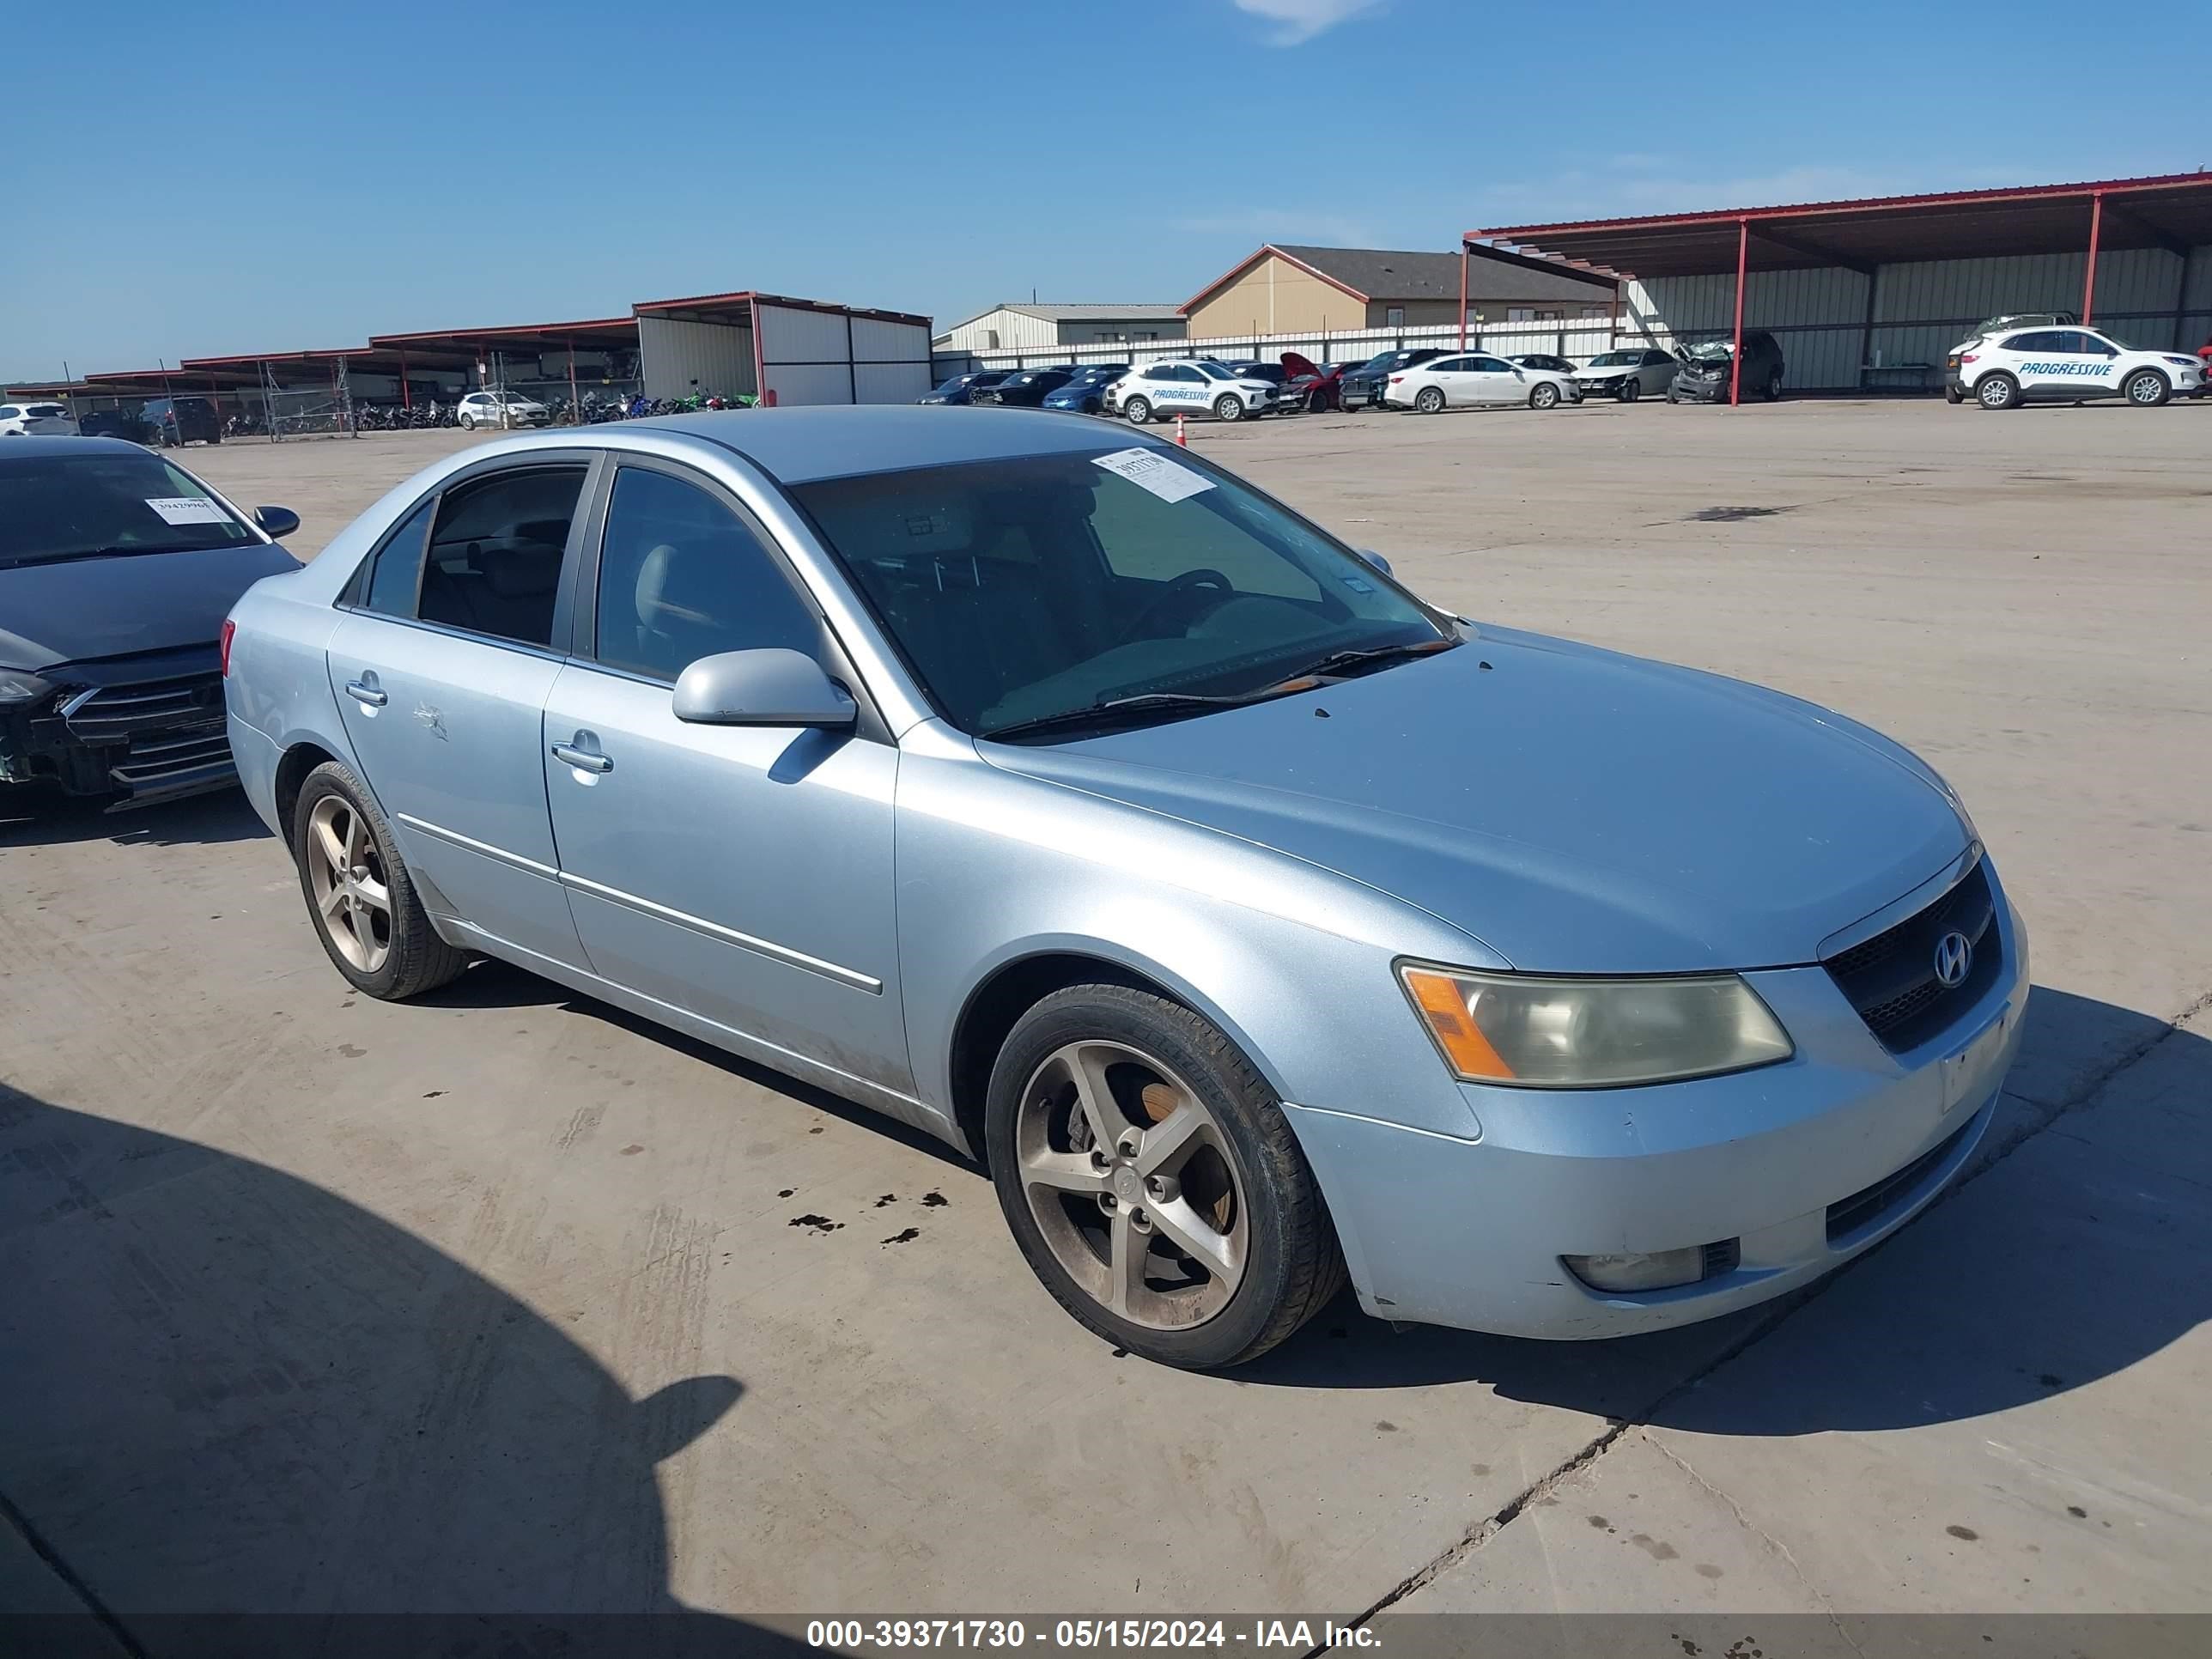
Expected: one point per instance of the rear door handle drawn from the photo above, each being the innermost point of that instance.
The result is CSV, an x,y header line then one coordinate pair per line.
x,y
582,759
371,695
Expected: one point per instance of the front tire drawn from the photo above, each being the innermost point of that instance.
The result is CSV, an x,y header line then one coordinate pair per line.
x,y
1152,1182
2146,388
1430,400
1544,395
1631,391
1228,407
363,903
1997,390
1137,411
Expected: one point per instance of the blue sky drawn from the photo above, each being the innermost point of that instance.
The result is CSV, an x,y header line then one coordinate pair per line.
x,y
189,181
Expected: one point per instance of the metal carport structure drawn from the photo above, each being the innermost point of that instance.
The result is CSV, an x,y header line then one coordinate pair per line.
x,y
784,350
1886,285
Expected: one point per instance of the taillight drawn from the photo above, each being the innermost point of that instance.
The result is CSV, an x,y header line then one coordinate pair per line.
x,y
1968,356
222,645
1394,378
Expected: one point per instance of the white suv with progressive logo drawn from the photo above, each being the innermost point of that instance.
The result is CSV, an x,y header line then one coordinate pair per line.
x,y
1195,387
2064,365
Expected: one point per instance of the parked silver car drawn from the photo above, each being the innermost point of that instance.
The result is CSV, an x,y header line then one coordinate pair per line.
x,y
1056,792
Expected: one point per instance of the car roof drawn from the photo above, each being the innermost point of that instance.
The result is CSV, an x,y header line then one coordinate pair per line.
x,y
35,445
797,445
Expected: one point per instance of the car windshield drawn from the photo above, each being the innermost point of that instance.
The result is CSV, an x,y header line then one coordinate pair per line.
x,y
1616,360
1709,351
61,507
1024,589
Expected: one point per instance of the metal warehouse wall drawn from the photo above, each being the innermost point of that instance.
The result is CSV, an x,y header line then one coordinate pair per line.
x,y
1922,310
674,353
831,357
1013,328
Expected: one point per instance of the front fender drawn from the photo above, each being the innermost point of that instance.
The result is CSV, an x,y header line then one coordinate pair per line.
x,y
1292,962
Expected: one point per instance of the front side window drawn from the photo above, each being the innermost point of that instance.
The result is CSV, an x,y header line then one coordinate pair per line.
x,y
492,565
105,505
682,577
1489,366
1024,588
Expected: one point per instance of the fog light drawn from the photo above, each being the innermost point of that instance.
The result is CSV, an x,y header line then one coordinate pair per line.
x,y
1660,1272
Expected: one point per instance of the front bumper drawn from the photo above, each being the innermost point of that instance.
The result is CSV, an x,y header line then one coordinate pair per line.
x,y
137,741
1699,388
1600,388
1792,1169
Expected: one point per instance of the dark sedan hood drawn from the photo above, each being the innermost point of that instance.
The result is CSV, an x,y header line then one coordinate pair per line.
x,y
1576,811
59,613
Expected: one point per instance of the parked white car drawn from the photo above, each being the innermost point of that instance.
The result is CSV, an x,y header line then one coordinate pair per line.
x,y
2064,365
39,420
1197,387
1460,382
1628,374
500,409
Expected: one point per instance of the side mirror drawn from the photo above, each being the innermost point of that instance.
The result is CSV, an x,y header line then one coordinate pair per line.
x,y
770,687
1376,559
276,522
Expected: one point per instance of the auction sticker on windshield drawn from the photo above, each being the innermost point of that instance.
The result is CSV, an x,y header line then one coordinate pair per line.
x,y
187,509
1149,470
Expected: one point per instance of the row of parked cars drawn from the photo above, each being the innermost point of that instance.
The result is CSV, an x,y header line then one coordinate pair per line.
x,y
1426,378
162,423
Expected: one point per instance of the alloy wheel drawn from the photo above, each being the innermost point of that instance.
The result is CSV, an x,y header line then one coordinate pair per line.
x,y
1131,1182
353,900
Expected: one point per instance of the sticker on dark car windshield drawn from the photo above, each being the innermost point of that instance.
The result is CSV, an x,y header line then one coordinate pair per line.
x,y
1148,470
187,509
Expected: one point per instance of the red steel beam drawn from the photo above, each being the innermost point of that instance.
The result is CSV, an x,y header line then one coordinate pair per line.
x,y
1462,294
2089,277
1742,253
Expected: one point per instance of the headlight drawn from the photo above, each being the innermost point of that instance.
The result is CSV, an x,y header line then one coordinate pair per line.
x,y
1530,1032
17,687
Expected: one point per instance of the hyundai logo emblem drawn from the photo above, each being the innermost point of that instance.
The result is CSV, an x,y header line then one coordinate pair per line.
x,y
1954,956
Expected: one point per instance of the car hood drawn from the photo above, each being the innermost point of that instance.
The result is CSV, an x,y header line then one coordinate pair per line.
x,y
1611,371
1573,810
59,613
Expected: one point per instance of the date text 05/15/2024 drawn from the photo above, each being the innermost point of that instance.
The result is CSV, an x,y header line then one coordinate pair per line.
x,y
1292,1635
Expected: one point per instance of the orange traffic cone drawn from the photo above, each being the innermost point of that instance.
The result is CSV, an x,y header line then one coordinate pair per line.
x,y
1180,439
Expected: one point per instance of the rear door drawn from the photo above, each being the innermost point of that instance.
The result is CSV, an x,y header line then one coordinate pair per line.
x,y
740,874
441,666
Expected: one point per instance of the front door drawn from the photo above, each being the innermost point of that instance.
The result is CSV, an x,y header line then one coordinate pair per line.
x,y
1494,380
740,874
440,667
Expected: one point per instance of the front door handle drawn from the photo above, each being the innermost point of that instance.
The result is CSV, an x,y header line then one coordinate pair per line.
x,y
362,692
583,759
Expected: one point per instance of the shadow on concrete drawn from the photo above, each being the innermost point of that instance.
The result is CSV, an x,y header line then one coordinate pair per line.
x,y
241,1414
2067,1262
491,983
34,818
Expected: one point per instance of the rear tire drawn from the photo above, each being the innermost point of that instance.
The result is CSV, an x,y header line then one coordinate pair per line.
x,y
1997,390
346,857
1774,388
1243,1188
2146,388
1953,395
468,423
1430,400
1137,411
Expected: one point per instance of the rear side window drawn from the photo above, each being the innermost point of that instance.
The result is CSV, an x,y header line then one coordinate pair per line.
x,y
398,572
492,565
682,577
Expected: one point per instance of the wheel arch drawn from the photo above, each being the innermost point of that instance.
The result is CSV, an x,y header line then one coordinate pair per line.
x,y
299,759
1010,986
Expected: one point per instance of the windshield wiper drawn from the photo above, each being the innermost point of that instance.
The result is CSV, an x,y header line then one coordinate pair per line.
x,y
1338,661
1120,710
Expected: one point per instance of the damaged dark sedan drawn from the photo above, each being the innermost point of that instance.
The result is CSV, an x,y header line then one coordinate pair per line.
x,y
116,568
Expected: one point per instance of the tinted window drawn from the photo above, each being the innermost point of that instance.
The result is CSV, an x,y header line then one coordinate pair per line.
x,y
1489,366
8,411
2037,342
681,577
495,549
56,507
2087,345
1656,359
1031,585
398,569
1451,366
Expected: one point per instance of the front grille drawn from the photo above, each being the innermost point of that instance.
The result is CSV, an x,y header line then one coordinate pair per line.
x,y
111,713
1847,1215
1723,1257
157,738
1891,978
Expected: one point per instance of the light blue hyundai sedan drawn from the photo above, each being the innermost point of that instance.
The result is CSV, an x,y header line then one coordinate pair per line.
x,y
1053,790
